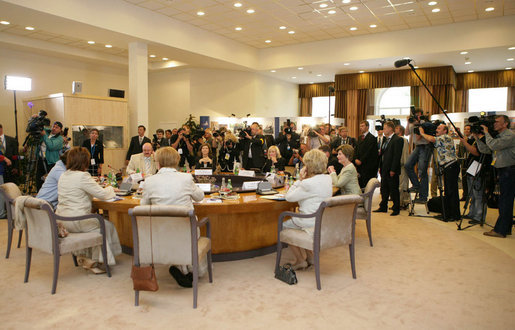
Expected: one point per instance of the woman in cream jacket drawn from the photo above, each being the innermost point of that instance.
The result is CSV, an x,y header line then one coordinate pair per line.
x,y
347,180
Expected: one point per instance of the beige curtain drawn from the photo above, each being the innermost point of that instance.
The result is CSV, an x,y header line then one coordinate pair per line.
x,y
340,104
415,96
305,106
485,79
462,97
357,105
511,98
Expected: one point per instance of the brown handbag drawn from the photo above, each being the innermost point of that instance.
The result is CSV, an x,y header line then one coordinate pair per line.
x,y
144,278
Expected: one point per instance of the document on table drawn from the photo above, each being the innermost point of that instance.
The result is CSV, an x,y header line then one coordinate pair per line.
x,y
114,199
276,197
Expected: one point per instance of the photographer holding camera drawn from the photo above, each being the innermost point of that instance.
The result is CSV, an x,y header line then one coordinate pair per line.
x,y
287,140
253,153
319,136
421,155
182,143
159,140
503,148
229,152
448,161
50,147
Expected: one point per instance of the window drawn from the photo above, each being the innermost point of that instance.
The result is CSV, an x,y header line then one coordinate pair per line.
x,y
393,101
320,107
488,99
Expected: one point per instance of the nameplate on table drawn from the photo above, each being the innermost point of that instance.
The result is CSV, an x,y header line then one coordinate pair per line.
x,y
250,185
246,173
136,177
204,172
206,187
250,198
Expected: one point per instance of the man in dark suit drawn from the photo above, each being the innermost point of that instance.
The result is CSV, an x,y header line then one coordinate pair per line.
x,y
137,143
390,168
159,140
8,149
343,138
366,155
253,155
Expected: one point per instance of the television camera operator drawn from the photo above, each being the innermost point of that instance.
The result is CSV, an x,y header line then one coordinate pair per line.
x,y
287,140
51,146
448,162
420,155
183,144
252,142
503,149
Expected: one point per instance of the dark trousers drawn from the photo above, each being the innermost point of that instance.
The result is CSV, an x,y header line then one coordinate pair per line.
x,y
452,197
464,180
507,194
365,175
390,188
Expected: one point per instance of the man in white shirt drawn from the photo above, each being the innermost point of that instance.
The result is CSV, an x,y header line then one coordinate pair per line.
x,y
144,162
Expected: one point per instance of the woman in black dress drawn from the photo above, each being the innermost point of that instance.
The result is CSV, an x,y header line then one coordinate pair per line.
x,y
274,159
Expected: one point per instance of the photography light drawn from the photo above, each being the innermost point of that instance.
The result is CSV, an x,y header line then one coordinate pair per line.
x,y
13,83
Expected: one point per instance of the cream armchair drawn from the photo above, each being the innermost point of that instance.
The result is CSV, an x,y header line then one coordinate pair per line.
x,y
10,191
175,239
335,221
364,211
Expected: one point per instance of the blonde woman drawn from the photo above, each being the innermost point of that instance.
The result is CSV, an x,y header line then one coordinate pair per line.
x,y
274,158
347,180
310,191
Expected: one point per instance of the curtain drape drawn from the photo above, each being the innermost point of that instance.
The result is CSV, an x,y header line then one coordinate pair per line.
x,y
357,105
315,90
485,79
511,98
462,97
305,106
415,96
340,104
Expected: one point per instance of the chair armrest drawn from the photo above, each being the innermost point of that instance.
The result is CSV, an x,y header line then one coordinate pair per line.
x,y
290,214
205,221
79,218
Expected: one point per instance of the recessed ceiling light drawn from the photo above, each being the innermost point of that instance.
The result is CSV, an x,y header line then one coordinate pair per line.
x,y
268,41
4,23
238,28
353,8
470,71
152,55
165,58
345,1
509,59
509,68
282,27
108,46
432,3
511,48
91,42
346,63
311,82
237,4
30,28
436,10
272,70
250,11
323,5
319,75
361,71
353,28
331,12
464,53
200,13
489,9
467,63
373,26
293,77
416,67
300,68
291,32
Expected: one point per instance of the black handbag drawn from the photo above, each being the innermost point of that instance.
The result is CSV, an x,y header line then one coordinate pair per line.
x,y
286,274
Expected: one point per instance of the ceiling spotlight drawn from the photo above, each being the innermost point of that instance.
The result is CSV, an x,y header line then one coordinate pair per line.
x,y
464,53
311,82
345,1
489,9
467,63
432,3
293,77
436,10
323,5
353,8
4,23
237,4
416,67
272,71
165,58
268,41
346,63
30,28
353,28
238,28
319,75
300,68
361,71
331,12
282,27
509,59
373,26
108,46
291,32
470,71
250,11
511,48
200,13
152,55
91,42
509,68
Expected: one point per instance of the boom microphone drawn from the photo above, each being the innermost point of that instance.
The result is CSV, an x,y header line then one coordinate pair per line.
x,y
403,62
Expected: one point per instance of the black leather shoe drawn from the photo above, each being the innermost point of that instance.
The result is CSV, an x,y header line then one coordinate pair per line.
x,y
380,210
493,233
394,213
186,281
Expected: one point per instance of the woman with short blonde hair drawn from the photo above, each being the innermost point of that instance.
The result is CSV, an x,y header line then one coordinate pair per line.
x,y
274,159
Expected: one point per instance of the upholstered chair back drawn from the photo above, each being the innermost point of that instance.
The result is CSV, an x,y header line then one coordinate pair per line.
x,y
337,220
10,191
40,230
370,187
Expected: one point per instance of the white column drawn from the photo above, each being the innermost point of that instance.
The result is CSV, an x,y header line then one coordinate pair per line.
x,y
138,86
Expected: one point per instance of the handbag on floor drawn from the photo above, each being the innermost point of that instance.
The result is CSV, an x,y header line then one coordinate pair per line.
x,y
144,277
286,274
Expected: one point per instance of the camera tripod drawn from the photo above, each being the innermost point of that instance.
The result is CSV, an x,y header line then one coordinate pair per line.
x,y
480,177
33,157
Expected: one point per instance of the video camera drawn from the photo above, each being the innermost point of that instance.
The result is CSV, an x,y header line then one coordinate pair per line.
x,y
488,121
379,125
218,133
413,117
311,131
37,124
429,127
247,130
287,128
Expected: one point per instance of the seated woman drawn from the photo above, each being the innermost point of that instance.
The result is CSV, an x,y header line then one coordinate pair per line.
x,y
75,190
310,191
274,158
171,187
347,180
204,158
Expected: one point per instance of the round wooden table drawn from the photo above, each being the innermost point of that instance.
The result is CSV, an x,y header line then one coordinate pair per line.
x,y
242,228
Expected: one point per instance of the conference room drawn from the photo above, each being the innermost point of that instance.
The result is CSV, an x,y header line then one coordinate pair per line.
x,y
239,105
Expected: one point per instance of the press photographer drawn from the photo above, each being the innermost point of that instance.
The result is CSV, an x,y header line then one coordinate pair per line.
x,y
229,153
318,136
183,144
287,140
420,155
253,153
503,148
448,163
159,140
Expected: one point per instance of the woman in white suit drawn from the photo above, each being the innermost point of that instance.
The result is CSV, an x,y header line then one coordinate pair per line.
x,y
75,190
171,187
347,180
310,191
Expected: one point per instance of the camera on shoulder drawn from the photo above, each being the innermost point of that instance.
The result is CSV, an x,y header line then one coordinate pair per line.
x,y
37,124
476,122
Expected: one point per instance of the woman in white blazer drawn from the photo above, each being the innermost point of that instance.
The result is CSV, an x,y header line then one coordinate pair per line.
x,y
310,191
171,187
75,190
347,180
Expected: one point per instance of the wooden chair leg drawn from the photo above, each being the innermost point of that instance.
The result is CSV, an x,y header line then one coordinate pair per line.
x,y
369,230
316,256
57,258
210,266
136,298
19,238
195,284
74,257
9,239
352,263
28,257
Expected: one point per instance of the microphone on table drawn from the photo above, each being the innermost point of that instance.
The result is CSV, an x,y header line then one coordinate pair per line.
x,y
403,62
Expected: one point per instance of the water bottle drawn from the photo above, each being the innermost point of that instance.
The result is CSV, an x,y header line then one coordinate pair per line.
x,y
286,182
272,169
297,171
224,186
229,185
